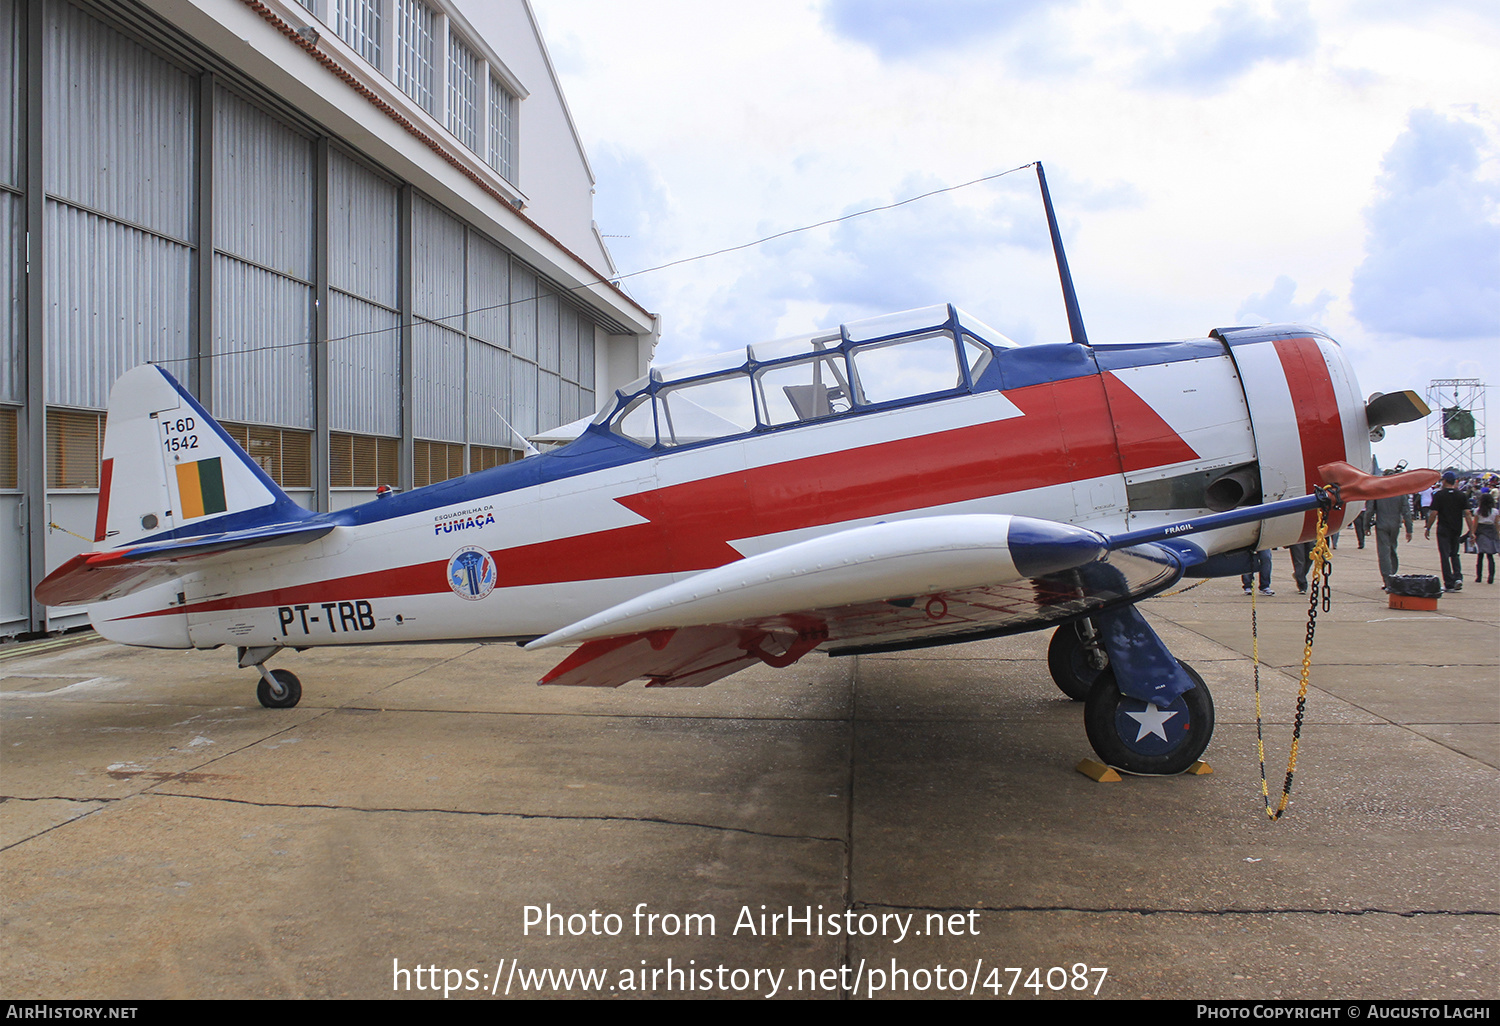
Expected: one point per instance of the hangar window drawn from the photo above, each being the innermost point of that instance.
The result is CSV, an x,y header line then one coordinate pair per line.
x,y
9,460
358,23
464,96
483,457
361,461
502,131
75,440
436,461
415,43
285,456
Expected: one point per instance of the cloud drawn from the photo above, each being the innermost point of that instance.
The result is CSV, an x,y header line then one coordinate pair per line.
x,y
630,206
1406,12
897,29
1432,256
917,255
1276,305
1235,40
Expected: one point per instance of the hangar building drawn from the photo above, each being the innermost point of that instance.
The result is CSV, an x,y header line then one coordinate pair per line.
x,y
359,231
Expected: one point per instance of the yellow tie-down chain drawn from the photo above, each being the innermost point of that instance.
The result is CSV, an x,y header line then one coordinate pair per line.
x,y
1319,593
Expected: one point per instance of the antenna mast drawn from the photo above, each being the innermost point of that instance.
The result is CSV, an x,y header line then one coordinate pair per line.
x,y
1070,298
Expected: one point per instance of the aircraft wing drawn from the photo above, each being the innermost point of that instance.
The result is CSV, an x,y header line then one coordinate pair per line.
x,y
884,586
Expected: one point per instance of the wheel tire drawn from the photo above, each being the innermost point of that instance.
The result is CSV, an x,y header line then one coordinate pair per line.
x,y
1130,745
1068,662
288,680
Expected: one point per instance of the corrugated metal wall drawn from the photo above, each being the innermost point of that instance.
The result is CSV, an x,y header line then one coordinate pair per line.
x,y
12,206
489,395
365,369
12,310
439,282
119,162
116,297
262,324
438,255
548,341
263,266
362,258
522,312
120,124
438,383
586,357
549,401
567,334
489,291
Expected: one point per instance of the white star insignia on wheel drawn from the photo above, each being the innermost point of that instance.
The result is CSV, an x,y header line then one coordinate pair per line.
x,y
1152,721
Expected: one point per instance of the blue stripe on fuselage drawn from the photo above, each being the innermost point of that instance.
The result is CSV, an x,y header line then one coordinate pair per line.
x,y
596,449
600,449
1141,354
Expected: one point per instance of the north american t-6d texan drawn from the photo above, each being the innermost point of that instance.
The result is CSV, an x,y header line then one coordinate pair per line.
x,y
905,481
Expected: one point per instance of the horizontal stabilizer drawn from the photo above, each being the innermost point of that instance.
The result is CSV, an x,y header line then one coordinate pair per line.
x,y
97,576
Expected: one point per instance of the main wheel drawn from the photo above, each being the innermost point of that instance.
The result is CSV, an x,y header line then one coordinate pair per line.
x,y
291,689
1069,661
1137,737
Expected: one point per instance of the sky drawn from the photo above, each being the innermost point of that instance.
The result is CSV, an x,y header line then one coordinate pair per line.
x,y
1212,164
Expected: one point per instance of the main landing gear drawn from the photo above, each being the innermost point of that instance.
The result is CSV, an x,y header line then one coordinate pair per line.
x,y
1138,737
1130,733
1076,658
278,689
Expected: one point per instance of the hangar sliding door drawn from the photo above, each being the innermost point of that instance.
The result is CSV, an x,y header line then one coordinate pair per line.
x,y
120,173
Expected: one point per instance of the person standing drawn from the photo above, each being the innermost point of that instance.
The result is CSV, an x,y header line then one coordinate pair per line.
x,y
1450,508
1389,514
1301,560
1486,536
1260,561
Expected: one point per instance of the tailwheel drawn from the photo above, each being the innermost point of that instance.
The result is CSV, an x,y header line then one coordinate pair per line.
x,y
1076,659
1139,737
278,689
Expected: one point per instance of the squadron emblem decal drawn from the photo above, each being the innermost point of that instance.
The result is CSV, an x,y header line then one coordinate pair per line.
x,y
471,573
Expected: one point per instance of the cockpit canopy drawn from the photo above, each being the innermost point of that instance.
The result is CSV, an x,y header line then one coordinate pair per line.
x,y
863,365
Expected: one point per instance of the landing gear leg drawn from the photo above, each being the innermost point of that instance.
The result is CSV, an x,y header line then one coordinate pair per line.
x,y
278,689
1076,658
1138,737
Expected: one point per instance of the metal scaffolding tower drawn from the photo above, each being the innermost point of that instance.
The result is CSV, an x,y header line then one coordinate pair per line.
x,y
1455,428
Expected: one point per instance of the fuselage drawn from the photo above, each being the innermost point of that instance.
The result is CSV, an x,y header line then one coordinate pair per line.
x,y
882,420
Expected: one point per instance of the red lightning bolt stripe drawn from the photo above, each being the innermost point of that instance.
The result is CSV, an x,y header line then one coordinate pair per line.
x,y
1084,427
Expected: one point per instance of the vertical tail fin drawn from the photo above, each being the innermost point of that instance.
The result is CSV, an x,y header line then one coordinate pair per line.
x,y
170,471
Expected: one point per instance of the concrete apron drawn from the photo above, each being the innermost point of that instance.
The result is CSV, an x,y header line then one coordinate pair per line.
x,y
161,835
